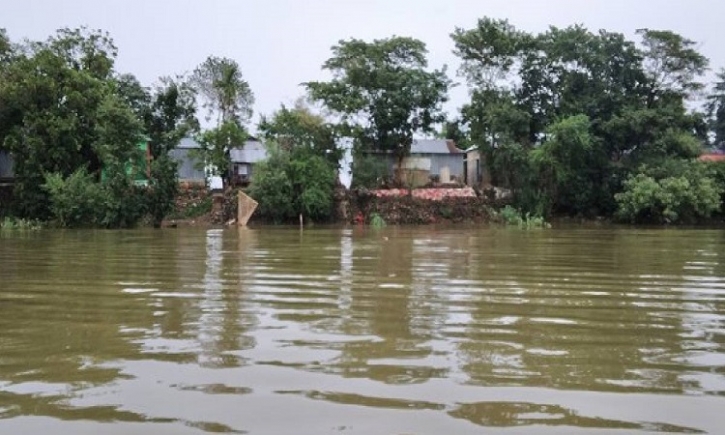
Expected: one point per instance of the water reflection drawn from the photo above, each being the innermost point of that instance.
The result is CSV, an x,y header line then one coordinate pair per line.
x,y
182,329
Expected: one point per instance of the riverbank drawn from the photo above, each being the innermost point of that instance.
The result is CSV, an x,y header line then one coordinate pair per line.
x,y
195,206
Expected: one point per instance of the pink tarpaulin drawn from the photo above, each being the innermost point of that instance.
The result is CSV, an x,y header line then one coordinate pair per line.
x,y
430,194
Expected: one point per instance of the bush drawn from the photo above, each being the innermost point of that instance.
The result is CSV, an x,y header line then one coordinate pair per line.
x,y
686,197
75,200
80,201
377,221
163,189
513,217
289,184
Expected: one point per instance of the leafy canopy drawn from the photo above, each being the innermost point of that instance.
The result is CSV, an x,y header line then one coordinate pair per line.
x,y
383,92
299,127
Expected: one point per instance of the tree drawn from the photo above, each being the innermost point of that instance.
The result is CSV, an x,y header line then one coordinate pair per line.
x,y
580,110
60,112
716,110
299,127
216,144
225,93
489,51
168,113
672,64
569,167
171,117
223,90
383,92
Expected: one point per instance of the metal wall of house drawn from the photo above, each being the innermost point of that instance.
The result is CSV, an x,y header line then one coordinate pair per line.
x,y
437,161
453,161
6,165
187,166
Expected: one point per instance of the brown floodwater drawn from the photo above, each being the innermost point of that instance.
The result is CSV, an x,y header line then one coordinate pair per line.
x,y
398,331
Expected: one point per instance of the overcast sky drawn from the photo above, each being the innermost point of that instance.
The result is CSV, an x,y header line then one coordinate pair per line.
x,y
282,43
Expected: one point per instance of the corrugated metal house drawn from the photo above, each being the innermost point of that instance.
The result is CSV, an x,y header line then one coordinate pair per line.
x,y
243,160
432,158
442,154
190,169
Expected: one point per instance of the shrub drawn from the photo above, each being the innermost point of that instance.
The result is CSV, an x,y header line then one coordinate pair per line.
x,y
685,197
289,184
79,201
75,200
163,189
513,217
377,221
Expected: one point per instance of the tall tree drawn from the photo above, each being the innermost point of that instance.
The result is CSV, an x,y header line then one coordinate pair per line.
x,y
170,118
225,93
60,112
383,92
716,110
672,63
529,92
299,127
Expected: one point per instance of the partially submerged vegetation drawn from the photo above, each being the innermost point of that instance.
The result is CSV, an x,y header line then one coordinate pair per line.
x,y
513,217
9,223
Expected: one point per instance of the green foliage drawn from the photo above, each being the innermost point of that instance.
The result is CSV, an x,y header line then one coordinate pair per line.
x,y
59,111
75,200
565,116
377,221
80,201
216,144
513,217
224,91
685,193
368,171
716,110
297,128
162,189
383,92
569,167
13,224
288,184
672,63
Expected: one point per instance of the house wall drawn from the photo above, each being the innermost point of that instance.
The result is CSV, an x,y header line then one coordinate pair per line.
x,y
242,173
6,166
187,165
476,171
453,161
437,161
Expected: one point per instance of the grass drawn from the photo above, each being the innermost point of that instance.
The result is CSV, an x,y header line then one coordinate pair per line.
x,y
377,221
513,217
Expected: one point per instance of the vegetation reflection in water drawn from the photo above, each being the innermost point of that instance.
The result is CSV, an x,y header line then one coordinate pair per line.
x,y
424,331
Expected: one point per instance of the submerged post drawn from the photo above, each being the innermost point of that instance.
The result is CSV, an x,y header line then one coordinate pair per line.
x,y
245,208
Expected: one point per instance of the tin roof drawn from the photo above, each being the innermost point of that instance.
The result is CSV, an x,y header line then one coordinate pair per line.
x,y
434,146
